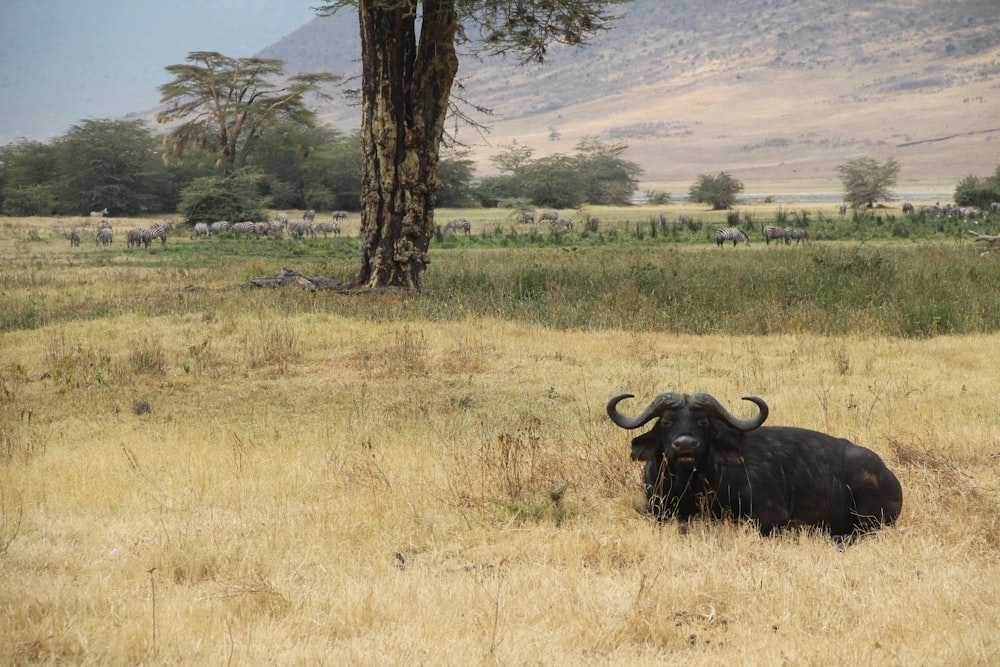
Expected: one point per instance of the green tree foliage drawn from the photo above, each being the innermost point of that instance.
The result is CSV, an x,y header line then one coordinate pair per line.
x,y
976,191
26,162
608,177
597,174
719,190
336,166
409,63
113,164
225,105
119,163
26,200
866,181
456,173
27,172
554,181
310,167
235,199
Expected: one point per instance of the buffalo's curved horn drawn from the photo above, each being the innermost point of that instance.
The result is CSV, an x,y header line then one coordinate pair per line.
x,y
653,410
715,408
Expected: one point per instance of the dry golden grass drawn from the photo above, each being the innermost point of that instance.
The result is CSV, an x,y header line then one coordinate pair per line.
x,y
266,483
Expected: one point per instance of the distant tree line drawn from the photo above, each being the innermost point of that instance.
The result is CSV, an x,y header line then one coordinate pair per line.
x,y
596,174
118,165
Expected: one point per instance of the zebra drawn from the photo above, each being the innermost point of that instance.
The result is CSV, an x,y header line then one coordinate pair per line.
x,y
277,227
159,231
261,228
136,237
219,226
328,227
730,234
662,220
773,233
99,214
309,215
104,236
458,223
300,229
241,228
561,223
683,221
528,217
548,216
843,210
104,224
73,236
798,234
201,229
907,208
339,215
278,224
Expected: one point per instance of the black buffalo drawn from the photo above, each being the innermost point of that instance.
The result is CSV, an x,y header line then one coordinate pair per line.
x,y
700,460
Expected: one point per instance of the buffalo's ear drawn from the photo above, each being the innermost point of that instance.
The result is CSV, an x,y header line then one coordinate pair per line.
x,y
725,452
645,446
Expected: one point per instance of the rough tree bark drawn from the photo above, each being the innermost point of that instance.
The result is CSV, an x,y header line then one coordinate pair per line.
x,y
406,85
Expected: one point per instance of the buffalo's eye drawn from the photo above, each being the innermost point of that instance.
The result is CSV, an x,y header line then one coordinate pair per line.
x,y
666,422
703,422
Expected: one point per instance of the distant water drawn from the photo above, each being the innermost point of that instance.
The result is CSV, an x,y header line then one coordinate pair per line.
x,y
821,198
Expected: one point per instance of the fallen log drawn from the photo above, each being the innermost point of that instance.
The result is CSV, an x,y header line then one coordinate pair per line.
x,y
985,237
289,278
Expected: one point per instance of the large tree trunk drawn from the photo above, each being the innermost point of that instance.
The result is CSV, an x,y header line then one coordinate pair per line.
x,y
406,86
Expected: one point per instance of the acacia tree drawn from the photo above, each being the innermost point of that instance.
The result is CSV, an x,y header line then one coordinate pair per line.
x,y
227,104
719,190
112,164
610,179
409,59
866,181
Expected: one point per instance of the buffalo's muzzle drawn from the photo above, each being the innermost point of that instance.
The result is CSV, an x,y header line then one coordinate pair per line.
x,y
683,449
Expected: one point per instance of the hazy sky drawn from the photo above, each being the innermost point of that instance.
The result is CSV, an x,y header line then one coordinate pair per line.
x,y
62,61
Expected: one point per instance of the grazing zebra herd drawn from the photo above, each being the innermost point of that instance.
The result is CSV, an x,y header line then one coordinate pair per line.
x,y
771,233
952,211
144,236
134,238
276,228
556,222
775,233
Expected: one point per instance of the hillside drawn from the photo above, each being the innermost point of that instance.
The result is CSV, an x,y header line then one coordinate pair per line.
x,y
773,91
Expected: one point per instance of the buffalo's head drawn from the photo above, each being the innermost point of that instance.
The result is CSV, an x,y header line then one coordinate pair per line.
x,y
692,431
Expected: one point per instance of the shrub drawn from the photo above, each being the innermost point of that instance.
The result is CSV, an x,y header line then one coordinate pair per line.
x,y
209,199
29,200
975,191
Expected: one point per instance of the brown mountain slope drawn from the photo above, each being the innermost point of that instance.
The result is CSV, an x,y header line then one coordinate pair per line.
x,y
773,91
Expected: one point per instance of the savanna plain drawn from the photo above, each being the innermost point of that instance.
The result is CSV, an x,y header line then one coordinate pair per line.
x,y
192,472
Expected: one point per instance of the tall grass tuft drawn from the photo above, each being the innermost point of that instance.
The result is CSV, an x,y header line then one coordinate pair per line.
x,y
268,343
146,356
20,441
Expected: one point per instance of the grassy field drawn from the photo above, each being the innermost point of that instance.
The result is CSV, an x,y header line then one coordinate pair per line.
x,y
191,474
